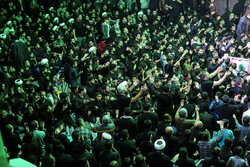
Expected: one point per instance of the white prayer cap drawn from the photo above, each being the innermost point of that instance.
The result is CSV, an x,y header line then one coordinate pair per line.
x,y
106,136
62,24
159,144
9,22
56,19
121,87
54,28
92,49
104,14
2,36
18,82
44,61
51,8
140,13
71,20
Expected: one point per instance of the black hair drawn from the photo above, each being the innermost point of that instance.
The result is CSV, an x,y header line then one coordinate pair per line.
x,y
238,150
246,120
225,99
226,123
216,151
228,142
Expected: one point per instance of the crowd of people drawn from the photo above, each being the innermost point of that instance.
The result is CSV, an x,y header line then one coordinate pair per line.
x,y
127,83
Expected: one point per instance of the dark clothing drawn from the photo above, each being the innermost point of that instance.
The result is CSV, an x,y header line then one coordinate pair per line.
x,y
214,161
226,111
158,159
123,102
146,147
225,153
127,148
64,160
107,156
171,145
208,120
128,123
147,115
207,86
188,162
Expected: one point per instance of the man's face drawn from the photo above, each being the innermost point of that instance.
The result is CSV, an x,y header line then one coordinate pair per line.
x,y
79,18
43,95
248,16
98,97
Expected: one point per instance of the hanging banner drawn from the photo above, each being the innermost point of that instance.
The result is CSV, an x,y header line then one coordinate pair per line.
x,y
241,63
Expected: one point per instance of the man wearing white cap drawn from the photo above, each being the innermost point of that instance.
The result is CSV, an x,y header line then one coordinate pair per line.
x,y
123,97
158,158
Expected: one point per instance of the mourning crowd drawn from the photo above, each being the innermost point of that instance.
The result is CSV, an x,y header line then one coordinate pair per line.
x,y
124,83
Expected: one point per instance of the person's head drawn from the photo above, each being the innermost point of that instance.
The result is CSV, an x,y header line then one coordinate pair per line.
x,y
79,17
80,122
43,95
225,99
34,125
216,151
246,120
228,142
183,152
226,123
248,16
205,135
98,96
187,133
204,76
183,113
125,134
236,132
108,144
113,163
9,128
238,151
147,124
167,118
160,144
218,94
198,125
169,130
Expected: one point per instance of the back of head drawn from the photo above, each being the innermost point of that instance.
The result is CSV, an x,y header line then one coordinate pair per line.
x,y
125,134
183,152
183,113
108,144
225,99
60,148
226,123
75,135
113,163
205,135
236,133
188,133
246,120
79,122
216,151
169,130
147,124
228,142
238,150
34,125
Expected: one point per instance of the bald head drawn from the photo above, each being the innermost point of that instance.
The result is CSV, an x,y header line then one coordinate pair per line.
x,y
198,124
169,130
